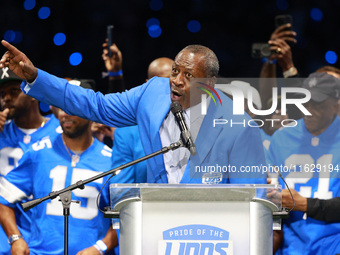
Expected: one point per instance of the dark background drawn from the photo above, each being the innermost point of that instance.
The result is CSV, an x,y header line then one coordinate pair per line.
x,y
227,27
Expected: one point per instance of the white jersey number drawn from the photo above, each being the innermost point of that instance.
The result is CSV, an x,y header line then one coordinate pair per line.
x,y
308,168
9,158
88,212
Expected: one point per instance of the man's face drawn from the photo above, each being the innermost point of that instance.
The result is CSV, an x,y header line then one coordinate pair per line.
x,y
14,99
187,65
73,126
322,116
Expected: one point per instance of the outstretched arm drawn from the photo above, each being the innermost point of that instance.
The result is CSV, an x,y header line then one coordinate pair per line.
x,y
18,62
112,110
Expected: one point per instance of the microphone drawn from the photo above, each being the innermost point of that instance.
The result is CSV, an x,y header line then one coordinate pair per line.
x,y
177,111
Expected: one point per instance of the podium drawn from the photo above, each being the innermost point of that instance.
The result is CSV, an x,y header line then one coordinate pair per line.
x,y
195,219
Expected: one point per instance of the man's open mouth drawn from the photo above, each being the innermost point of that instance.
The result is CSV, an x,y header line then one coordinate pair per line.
x,y
175,96
175,93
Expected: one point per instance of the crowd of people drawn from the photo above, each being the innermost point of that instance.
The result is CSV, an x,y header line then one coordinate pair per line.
x,y
90,132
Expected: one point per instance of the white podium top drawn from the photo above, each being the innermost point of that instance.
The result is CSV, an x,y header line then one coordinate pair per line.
x,y
268,194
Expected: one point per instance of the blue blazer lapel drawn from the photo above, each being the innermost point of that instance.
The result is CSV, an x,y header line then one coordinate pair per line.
x,y
208,134
206,138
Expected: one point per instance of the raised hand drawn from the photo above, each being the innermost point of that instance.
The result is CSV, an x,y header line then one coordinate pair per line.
x,y
115,63
18,62
282,33
283,53
3,118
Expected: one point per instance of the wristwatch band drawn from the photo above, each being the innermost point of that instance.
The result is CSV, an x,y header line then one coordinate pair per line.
x,y
290,72
13,238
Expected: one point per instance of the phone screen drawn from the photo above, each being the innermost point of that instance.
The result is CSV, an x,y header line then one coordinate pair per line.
x,y
110,38
283,19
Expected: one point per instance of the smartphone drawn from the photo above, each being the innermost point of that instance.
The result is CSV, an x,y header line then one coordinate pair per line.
x,y
110,38
283,19
260,50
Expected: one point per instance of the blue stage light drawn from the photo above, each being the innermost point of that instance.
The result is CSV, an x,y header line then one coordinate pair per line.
x,y
18,37
155,31
316,14
9,35
44,12
29,5
152,21
75,58
331,57
194,26
59,39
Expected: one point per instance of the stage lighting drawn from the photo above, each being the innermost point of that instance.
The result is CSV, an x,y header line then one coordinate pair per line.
x,y
75,58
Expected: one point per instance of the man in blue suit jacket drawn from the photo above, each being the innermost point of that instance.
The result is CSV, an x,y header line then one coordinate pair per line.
x,y
148,106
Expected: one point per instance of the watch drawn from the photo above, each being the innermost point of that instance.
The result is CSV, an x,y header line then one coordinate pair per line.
x,y
13,238
290,72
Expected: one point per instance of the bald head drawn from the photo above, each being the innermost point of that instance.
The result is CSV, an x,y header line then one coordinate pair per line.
x,y
160,67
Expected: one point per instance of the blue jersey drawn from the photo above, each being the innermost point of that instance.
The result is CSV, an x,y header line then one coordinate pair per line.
x,y
46,167
12,136
265,139
310,165
13,143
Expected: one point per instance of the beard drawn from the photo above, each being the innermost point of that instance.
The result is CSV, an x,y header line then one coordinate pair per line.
x,y
77,131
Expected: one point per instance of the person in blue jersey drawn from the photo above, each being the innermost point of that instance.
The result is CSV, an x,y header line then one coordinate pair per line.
x,y
310,154
148,106
21,124
51,164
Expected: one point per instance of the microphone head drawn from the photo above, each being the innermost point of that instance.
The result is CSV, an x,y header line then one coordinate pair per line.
x,y
175,107
192,150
